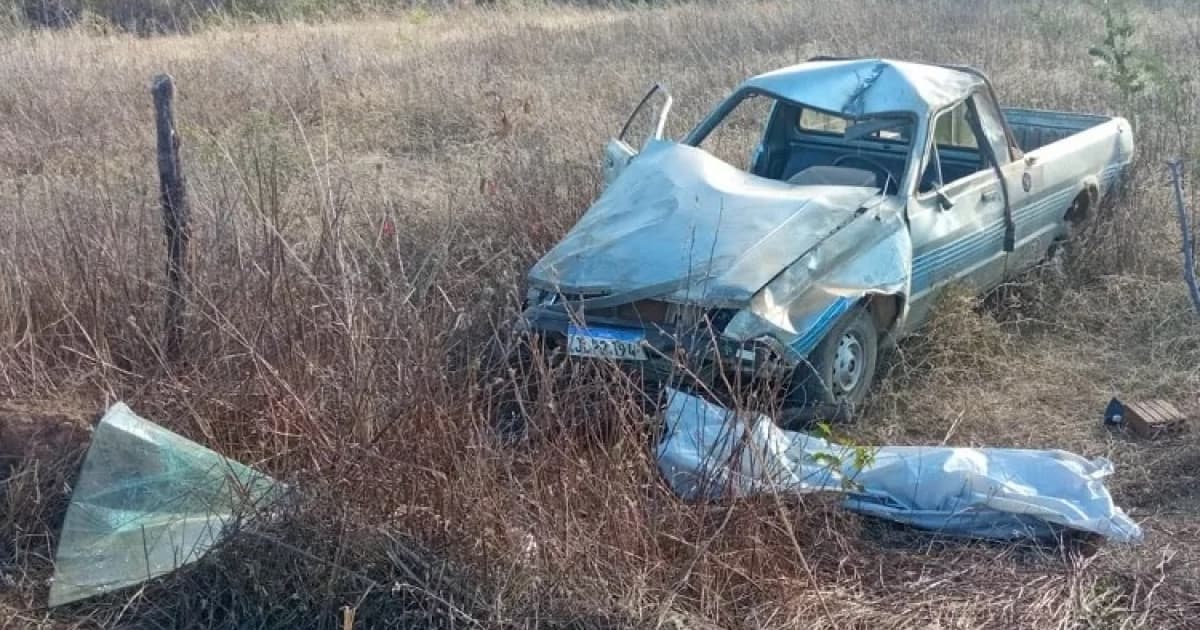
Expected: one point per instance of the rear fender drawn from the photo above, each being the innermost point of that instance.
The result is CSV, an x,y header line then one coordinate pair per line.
x,y
1089,189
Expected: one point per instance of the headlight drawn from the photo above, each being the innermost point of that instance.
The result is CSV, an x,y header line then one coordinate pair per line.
x,y
689,317
763,353
539,297
719,318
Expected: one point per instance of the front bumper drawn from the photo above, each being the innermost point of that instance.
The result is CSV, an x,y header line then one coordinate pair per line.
x,y
673,355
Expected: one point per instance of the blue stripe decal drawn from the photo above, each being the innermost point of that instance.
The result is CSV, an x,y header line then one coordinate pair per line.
x,y
957,255
816,331
959,248
940,264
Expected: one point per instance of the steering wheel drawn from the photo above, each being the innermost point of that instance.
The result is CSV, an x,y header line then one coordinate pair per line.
x,y
869,161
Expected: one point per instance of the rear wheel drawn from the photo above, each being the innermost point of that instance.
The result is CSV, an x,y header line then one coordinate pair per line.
x,y
841,369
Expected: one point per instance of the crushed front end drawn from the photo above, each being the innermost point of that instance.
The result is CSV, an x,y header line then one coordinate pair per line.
x,y
688,270
663,342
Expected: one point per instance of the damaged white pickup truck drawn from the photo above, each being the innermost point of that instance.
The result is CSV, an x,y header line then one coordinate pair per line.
x,y
811,218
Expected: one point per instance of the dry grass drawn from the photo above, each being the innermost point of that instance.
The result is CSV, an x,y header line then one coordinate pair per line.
x,y
350,358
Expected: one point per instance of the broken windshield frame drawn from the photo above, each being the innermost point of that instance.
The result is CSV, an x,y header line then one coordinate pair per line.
x,y
901,145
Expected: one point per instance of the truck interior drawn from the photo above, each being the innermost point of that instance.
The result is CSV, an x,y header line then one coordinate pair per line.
x,y
800,145
793,143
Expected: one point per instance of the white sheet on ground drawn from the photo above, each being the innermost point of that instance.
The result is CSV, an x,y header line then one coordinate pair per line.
x,y
709,452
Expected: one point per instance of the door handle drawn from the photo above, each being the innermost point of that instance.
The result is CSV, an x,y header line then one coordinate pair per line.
x,y
989,196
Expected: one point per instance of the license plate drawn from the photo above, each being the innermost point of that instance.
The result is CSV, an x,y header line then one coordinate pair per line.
x,y
607,343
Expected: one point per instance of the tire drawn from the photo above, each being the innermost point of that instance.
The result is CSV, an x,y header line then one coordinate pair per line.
x,y
841,369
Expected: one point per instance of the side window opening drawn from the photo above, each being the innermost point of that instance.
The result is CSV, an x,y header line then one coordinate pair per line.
x,y
953,129
955,151
992,125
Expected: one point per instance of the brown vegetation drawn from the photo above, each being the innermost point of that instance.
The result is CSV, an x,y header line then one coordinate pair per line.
x,y
367,196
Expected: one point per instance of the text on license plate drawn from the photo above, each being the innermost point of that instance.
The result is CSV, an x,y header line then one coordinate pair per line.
x,y
609,343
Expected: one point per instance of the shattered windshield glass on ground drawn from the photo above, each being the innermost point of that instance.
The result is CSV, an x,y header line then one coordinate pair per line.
x,y
147,502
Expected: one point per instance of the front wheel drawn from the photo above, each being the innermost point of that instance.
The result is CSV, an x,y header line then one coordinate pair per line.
x,y
842,367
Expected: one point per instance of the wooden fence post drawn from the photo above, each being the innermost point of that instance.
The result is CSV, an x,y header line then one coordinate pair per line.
x,y
175,210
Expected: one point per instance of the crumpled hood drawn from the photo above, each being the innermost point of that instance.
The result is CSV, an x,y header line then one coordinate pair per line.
x,y
681,223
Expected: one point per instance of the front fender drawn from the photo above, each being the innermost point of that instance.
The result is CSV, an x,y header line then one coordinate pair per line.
x,y
799,306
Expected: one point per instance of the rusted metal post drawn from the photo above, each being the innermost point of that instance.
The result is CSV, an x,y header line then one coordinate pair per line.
x,y
1189,237
175,210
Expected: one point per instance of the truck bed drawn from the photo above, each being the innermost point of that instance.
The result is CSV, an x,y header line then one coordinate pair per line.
x,y
1036,128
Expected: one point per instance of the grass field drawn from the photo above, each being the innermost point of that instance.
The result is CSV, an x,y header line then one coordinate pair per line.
x,y
367,195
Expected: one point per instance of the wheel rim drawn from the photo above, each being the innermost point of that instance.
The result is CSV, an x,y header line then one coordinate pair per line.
x,y
848,365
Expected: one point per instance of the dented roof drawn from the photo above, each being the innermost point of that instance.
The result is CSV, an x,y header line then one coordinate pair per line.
x,y
862,87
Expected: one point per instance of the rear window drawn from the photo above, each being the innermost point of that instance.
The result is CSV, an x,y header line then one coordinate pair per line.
x,y
813,120
879,129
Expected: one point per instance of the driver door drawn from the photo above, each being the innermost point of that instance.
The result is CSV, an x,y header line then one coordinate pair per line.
x,y
647,122
958,217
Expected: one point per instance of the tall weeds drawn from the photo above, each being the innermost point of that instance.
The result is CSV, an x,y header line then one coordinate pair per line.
x,y
367,198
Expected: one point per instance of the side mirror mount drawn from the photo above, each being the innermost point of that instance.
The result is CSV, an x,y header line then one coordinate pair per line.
x,y
943,201
617,155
